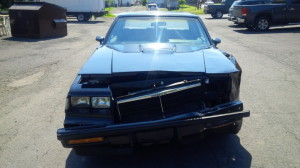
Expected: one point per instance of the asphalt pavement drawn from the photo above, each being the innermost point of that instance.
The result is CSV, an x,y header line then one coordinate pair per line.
x,y
36,75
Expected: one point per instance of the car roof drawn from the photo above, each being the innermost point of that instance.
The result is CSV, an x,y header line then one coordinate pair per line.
x,y
156,13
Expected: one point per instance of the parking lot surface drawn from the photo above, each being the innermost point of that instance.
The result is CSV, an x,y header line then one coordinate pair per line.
x,y
36,75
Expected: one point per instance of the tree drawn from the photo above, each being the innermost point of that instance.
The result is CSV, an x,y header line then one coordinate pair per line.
x,y
144,2
182,2
110,2
6,3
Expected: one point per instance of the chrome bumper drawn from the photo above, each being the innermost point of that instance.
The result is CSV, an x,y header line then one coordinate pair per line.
x,y
240,20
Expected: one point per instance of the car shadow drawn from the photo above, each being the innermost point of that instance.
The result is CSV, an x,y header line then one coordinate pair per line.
x,y
85,22
210,18
237,26
24,39
270,31
210,152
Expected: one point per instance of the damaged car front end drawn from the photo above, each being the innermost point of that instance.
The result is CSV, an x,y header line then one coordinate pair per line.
x,y
164,81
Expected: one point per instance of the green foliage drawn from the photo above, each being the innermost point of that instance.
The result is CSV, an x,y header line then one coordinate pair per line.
x,y
110,2
109,9
190,9
6,3
182,2
144,2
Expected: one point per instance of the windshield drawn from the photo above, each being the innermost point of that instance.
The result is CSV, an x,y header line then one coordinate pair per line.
x,y
143,30
235,3
152,6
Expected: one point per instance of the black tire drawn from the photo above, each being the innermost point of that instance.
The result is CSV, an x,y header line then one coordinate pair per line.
x,y
83,18
218,15
213,16
262,23
249,27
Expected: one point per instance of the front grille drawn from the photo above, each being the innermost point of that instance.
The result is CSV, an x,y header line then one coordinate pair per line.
x,y
182,102
142,110
158,105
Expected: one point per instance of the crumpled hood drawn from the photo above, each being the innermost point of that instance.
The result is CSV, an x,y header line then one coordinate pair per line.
x,y
108,61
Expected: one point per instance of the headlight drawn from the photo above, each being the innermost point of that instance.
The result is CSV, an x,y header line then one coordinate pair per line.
x,y
101,102
80,101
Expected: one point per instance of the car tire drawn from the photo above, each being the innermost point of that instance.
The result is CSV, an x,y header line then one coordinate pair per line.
x,y
262,23
218,15
213,16
81,17
249,27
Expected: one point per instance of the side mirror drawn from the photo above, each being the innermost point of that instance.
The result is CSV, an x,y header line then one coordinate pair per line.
x,y
100,39
216,41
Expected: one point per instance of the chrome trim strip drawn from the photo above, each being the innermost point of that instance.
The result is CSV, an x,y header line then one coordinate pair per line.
x,y
162,108
222,115
158,93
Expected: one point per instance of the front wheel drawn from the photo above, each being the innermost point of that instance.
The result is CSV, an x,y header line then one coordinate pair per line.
x,y
219,14
262,23
81,17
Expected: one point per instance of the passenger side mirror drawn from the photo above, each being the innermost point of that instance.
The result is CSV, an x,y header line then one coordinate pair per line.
x,y
216,41
100,39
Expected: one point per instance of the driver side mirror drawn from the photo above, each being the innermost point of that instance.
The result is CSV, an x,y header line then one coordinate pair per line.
x,y
216,41
100,39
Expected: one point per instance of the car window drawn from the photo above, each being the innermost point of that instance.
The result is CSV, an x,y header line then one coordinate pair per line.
x,y
149,6
234,4
140,30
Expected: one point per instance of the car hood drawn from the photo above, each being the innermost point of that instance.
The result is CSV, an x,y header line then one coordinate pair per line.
x,y
107,60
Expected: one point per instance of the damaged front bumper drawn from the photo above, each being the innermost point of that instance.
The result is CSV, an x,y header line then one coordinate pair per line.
x,y
172,128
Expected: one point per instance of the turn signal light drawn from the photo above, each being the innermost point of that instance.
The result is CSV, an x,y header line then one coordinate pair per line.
x,y
89,140
244,12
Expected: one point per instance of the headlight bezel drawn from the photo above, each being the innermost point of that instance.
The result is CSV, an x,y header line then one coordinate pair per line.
x,y
74,101
90,102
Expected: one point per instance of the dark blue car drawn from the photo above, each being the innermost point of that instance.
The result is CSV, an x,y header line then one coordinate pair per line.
x,y
156,76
